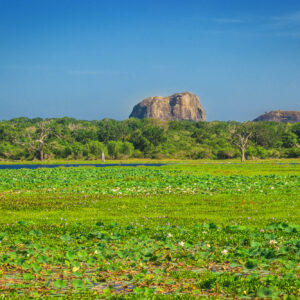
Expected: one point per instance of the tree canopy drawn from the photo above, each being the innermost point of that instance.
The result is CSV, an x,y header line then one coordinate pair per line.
x,y
68,138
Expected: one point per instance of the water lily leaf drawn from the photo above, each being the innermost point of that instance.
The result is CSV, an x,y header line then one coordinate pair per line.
x,y
28,276
78,283
36,233
66,238
70,255
36,267
264,292
60,284
2,235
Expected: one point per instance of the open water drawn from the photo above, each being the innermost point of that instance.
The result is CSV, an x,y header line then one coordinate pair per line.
x,y
36,166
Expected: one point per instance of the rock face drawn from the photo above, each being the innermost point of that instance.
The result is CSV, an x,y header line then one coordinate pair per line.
x,y
281,116
180,106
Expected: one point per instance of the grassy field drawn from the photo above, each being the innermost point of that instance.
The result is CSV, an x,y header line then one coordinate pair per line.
x,y
181,230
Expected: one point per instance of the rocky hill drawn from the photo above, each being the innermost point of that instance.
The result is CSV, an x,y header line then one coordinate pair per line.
x,y
280,116
180,106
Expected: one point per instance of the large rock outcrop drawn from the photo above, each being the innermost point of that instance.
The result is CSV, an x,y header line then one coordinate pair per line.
x,y
180,106
281,116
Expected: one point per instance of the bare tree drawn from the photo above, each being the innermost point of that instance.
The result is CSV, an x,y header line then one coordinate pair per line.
x,y
240,137
36,139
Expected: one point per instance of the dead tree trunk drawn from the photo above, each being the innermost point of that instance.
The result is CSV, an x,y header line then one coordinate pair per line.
x,y
242,143
36,140
242,155
240,138
41,153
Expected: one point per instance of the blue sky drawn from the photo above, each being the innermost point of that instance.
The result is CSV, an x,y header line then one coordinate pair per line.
x,y
92,59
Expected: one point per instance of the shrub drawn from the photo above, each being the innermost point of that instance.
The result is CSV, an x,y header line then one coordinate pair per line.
x,y
227,153
137,154
127,149
257,152
114,149
292,152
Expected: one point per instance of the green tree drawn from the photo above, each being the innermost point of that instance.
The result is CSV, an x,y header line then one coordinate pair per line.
x,y
127,149
96,148
114,149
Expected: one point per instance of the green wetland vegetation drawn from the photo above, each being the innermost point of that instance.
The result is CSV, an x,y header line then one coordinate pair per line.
x,y
176,231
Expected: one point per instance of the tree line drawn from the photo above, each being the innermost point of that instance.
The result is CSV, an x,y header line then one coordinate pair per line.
x,y
68,138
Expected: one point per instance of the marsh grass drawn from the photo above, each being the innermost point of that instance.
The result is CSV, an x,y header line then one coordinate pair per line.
x,y
235,233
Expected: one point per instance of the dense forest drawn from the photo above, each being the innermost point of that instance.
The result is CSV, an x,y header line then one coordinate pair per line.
x,y
68,138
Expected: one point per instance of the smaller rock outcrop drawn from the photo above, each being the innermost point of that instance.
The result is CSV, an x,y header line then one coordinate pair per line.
x,y
280,116
180,106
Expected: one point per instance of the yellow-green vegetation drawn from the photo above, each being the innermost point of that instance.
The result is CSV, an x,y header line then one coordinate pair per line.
x,y
71,139
181,230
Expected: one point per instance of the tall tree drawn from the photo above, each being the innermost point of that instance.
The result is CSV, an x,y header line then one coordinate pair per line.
x,y
240,137
36,138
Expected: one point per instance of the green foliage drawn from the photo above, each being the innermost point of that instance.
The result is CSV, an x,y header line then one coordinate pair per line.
x,y
68,138
296,130
257,152
94,149
114,149
293,152
227,153
138,181
177,231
